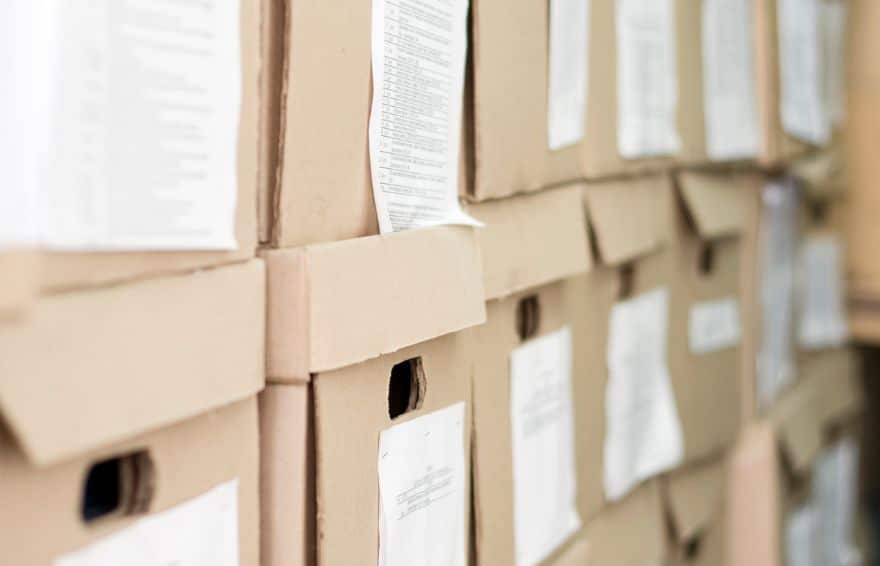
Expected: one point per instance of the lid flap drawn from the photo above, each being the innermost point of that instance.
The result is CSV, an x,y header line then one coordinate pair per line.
x,y
716,203
798,426
19,282
694,497
823,174
637,517
625,219
532,240
409,287
85,370
834,376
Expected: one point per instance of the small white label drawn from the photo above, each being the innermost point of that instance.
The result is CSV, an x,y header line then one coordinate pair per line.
x,y
567,100
714,325
777,237
823,322
643,434
729,92
144,126
835,484
200,532
801,534
542,427
647,79
418,54
834,27
422,496
802,88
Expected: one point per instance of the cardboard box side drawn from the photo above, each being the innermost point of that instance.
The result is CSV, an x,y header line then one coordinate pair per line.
x,y
19,283
716,203
159,364
638,517
694,498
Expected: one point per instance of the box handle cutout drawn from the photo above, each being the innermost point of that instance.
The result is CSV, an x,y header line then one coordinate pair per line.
x,y
406,387
528,317
118,487
706,259
627,281
692,548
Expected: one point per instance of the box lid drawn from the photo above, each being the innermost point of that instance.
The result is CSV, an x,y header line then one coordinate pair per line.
x,y
798,426
410,287
532,240
694,498
638,517
86,370
833,375
715,203
624,220
822,174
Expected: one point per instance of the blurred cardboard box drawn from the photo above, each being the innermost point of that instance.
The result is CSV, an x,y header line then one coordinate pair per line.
x,y
630,532
710,219
390,379
139,424
632,429
791,485
694,500
18,286
529,471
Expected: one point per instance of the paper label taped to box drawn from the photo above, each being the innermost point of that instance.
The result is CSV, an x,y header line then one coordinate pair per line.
x,y
569,53
144,125
801,72
200,532
729,91
822,317
543,442
422,492
714,325
643,435
418,54
647,79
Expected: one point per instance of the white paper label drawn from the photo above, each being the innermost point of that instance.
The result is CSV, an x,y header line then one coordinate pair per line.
x,y
200,532
729,92
647,79
777,236
834,27
802,88
542,427
567,99
422,497
835,484
418,51
823,322
643,434
801,535
144,126
714,325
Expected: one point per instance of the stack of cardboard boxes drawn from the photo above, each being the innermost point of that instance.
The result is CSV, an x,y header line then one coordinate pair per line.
x,y
399,282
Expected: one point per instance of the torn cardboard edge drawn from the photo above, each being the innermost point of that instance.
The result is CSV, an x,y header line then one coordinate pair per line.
x,y
622,216
124,362
532,239
322,318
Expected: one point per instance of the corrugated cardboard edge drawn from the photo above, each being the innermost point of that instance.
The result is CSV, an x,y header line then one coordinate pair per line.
x,y
131,359
716,203
18,283
409,287
531,240
623,218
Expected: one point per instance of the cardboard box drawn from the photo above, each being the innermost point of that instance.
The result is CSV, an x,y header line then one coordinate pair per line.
x,y
63,271
531,247
369,348
165,393
694,499
133,497
771,500
705,343
633,301
631,532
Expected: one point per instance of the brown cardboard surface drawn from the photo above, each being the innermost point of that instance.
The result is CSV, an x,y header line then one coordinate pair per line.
x,y
630,532
18,284
560,305
287,476
641,241
162,350
796,420
39,519
321,317
65,271
823,174
531,240
695,504
351,410
575,554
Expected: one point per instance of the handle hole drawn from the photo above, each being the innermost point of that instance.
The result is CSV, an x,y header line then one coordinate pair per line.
x,y
119,486
406,387
528,317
